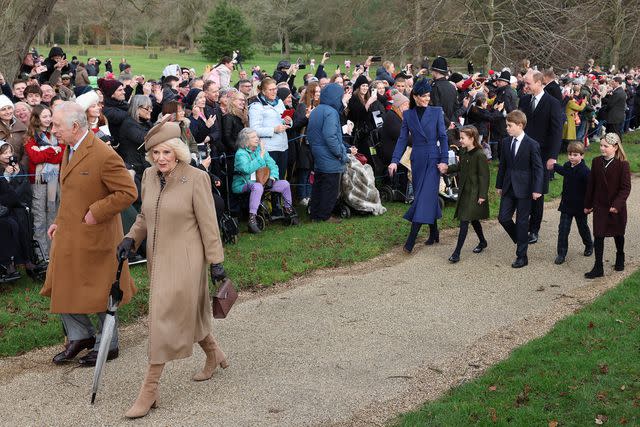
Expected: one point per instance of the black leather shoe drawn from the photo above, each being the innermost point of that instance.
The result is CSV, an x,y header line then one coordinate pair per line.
x,y
92,356
559,260
619,262
433,238
454,258
596,271
520,262
72,350
533,238
588,250
481,246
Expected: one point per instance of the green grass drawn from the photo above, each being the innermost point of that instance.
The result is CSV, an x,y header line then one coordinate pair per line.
x,y
277,255
586,367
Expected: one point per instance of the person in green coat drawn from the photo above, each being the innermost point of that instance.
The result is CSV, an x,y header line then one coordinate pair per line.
x,y
473,184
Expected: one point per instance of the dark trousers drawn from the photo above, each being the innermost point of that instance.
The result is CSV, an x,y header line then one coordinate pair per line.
x,y
324,194
281,158
537,209
510,204
462,234
564,228
598,248
614,128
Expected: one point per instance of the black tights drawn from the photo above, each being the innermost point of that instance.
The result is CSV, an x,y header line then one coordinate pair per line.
x,y
598,247
462,234
413,234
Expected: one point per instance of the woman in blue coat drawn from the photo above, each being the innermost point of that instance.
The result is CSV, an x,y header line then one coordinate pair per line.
x,y
429,157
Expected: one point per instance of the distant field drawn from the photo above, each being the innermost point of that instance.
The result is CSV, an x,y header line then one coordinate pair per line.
x,y
139,59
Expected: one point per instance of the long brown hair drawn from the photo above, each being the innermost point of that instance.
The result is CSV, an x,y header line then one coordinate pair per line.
x,y
34,120
309,94
471,132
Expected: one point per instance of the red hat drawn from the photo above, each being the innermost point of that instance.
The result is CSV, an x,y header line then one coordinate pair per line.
x,y
108,86
491,72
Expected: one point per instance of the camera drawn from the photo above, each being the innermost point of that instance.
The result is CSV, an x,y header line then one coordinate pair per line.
x,y
13,161
300,63
376,58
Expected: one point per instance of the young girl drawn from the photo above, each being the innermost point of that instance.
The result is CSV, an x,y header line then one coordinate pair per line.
x,y
473,181
607,192
45,157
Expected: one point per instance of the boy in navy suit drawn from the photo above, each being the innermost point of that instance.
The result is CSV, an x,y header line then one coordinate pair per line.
x,y
574,188
519,182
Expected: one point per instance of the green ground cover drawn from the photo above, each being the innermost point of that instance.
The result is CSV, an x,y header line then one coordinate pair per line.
x,y
585,371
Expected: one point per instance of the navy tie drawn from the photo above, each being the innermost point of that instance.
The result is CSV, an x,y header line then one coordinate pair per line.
x,y
513,148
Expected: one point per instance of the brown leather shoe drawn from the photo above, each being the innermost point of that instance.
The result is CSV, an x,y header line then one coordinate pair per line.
x,y
72,350
90,358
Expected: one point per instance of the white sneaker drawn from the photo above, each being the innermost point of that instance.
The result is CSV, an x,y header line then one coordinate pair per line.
x,y
305,201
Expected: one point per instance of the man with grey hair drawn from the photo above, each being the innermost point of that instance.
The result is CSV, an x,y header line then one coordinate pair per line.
x,y
95,188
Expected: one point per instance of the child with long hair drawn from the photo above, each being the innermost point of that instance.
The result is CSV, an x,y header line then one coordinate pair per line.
x,y
608,188
473,181
45,157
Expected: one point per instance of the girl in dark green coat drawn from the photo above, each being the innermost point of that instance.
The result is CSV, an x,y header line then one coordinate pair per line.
x,y
473,184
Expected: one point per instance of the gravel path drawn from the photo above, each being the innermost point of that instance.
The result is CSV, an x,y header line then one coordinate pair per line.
x,y
350,346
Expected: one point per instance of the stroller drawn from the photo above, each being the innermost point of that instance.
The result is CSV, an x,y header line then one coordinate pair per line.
x,y
34,253
229,227
448,191
358,192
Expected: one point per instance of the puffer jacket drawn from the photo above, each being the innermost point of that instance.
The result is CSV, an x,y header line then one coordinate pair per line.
x,y
324,132
248,161
263,118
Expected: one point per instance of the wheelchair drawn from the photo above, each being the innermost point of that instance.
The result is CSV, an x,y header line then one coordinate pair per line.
x,y
271,209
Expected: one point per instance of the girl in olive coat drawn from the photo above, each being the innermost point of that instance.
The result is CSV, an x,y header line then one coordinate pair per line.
x,y
473,184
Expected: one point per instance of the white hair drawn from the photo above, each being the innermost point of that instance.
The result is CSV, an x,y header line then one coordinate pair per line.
x,y
180,149
73,113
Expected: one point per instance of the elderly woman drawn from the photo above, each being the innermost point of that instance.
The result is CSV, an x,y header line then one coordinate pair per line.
x,y
132,133
90,102
12,130
22,111
265,117
179,224
249,158
429,157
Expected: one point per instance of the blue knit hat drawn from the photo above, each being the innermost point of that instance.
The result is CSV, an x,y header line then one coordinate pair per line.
x,y
421,87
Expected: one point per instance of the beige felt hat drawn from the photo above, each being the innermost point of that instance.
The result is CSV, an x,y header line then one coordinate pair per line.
x,y
160,133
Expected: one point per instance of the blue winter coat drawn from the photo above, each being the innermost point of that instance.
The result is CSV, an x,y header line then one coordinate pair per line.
x,y
574,187
430,147
324,132
383,74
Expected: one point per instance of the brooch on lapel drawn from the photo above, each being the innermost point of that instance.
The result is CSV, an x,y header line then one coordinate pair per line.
x,y
183,179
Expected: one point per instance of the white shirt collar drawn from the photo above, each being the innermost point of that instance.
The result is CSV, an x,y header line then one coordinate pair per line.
x,y
75,147
520,137
538,97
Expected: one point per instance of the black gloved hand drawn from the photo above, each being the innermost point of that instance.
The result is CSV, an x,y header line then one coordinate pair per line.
x,y
217,272
124,248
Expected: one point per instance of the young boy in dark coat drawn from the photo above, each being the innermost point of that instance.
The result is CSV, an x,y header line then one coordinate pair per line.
x,y
519,182
574,187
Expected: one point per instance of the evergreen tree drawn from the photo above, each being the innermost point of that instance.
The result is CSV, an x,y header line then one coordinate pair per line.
x,y
226,30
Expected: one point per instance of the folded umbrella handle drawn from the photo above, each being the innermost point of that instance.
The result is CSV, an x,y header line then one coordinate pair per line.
x,y
116,293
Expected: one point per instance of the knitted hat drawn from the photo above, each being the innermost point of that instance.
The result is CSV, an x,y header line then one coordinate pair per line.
x,y
440,65
5,102
399,99
361,80
283,93
456,78
88,99
421,87
160,133
108,86
505,76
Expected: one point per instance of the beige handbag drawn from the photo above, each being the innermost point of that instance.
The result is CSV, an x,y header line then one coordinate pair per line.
x,y
406,161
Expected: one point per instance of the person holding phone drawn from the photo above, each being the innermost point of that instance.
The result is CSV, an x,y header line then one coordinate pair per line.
x,y
362,104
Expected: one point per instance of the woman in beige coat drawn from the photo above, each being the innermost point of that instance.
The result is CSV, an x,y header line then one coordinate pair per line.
x,y
178,220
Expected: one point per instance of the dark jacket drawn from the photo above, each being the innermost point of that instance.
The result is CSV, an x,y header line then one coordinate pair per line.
x,y
553,89
390,132
484,120
473,184
215,131
522,174
574,187
324,132
444,94
507,96
304,158
116,113
231,127
131,136
608,187
615,105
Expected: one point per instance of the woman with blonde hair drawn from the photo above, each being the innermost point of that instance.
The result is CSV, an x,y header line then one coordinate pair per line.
x,y
179,224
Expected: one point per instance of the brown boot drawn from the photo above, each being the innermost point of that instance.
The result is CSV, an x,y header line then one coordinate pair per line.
x,y
148,396
215,357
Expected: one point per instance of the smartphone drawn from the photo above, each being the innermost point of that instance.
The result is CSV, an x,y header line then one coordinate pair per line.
x,y
376,58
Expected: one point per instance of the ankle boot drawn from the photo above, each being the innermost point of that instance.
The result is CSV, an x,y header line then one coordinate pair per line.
x,y
215,357
596,271
253,224
149,395
434,236
619,261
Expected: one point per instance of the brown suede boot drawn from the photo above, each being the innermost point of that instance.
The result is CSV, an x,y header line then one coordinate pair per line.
x,y
148,396
215,357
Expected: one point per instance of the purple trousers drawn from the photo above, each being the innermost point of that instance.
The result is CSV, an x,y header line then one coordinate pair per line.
x,y
256,189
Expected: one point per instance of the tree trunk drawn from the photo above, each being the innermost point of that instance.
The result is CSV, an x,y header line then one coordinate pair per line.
x,y
80,40
191,42
417,37
490,35
617,32
287,50
67,32
17,31
107,37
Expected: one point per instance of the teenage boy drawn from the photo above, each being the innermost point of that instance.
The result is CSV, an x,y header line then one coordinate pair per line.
x,y
519,181
574,187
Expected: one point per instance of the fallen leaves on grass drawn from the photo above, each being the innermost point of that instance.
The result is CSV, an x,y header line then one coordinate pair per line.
x,y
492,388
591,325
493,415
601,396
601,419
604,369
623,420
523,397
553,423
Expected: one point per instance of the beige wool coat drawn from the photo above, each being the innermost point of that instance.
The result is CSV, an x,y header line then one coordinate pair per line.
x,y
83,264
182,235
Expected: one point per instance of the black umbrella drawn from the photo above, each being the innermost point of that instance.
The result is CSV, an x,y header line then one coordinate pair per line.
x,y
108,326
